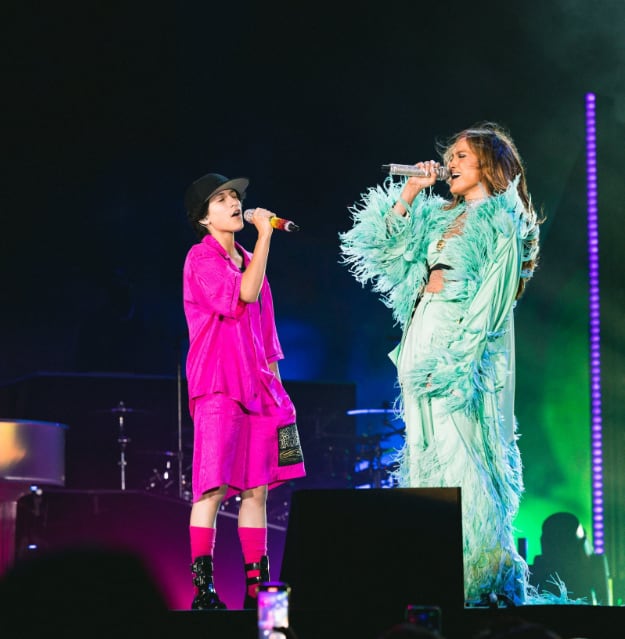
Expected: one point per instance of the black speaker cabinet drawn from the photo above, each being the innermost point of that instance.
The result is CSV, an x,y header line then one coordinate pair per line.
x,y
376,549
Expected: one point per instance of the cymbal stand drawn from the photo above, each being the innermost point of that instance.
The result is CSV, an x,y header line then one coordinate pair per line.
x,y
181,482
376,462
371,454
123,441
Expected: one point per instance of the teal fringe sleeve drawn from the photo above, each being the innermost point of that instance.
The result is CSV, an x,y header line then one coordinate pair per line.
x,y
388,251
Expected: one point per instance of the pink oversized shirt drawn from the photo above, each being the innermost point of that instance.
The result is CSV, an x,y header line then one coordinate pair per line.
x,y
231,343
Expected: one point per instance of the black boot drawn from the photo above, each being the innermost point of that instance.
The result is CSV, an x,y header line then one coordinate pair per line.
x,y
263,567
206,597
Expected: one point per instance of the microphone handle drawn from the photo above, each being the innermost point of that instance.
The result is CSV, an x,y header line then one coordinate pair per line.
x,y
276,222
442,172
283,225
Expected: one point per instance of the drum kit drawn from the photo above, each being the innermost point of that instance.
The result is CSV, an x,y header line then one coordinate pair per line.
x,y
375,449
168,476
333,460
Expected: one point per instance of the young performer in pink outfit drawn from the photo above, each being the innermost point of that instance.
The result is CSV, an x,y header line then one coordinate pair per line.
x,y
246,439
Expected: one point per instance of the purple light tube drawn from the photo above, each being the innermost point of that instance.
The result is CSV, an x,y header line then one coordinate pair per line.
x,y
596,444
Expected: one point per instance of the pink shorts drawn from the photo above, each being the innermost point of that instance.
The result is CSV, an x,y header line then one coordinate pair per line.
x,y
241,449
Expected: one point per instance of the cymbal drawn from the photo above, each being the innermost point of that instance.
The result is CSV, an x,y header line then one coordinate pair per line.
x,y
371,411
121,410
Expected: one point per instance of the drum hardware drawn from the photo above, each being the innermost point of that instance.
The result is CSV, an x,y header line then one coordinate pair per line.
x,y
368,460
164,479
386,410
120,411
184,491
231,504
371,469
121,408
278,504
370,411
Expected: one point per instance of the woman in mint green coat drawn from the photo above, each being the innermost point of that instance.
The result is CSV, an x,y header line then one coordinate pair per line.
x,y
451,271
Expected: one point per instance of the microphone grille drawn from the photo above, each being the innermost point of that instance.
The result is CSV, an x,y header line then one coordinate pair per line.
x,y
247,214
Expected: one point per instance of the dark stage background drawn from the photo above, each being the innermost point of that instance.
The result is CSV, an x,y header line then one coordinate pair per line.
x,y
111,109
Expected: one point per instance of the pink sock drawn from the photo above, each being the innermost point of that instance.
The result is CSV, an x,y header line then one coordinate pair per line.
x,y
202,541
254,546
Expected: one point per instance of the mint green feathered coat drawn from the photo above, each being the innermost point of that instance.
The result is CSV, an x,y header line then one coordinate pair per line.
x,y
455,362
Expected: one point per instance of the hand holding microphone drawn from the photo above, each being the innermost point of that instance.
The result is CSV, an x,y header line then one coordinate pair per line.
x,y
276,222
442,172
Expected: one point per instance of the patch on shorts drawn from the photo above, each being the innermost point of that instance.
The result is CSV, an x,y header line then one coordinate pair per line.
x,y
289,448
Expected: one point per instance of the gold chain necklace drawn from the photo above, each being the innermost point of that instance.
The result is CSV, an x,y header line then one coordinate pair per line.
x,y
468,206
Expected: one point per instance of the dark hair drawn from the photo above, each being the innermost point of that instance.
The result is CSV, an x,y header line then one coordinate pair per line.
x,y
194,217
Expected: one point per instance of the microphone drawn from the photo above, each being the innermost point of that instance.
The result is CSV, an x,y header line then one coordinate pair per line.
x,y
276,222
442,172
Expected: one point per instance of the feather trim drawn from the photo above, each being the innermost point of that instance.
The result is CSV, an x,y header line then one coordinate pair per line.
x,y
465,368
389,251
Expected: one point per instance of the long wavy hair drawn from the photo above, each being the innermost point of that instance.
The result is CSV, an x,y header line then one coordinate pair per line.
x,y
500,163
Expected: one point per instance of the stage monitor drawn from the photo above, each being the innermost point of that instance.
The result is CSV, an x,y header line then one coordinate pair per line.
x,y
374,549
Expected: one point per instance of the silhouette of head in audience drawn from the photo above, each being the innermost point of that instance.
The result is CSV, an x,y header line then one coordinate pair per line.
x,y
408,630
515,627
563,534
82,591
567,556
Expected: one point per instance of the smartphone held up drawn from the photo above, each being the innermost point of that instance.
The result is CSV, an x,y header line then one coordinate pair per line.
x,y
273,609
